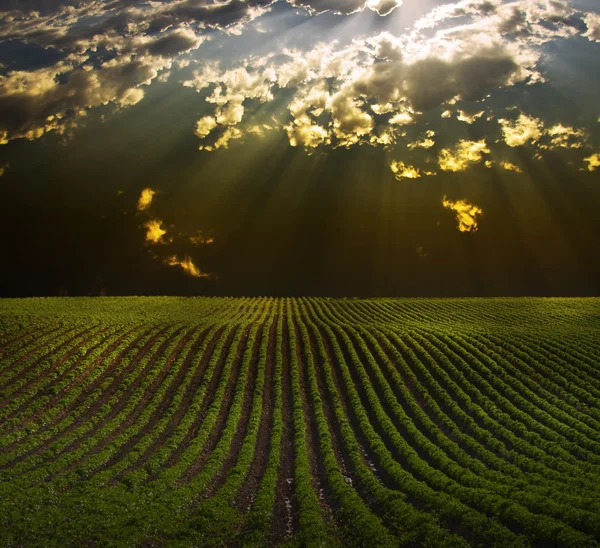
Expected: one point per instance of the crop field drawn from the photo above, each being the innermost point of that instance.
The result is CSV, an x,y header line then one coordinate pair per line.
x,y
304,422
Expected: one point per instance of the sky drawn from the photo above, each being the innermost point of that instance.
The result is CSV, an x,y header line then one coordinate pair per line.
x,y
300,147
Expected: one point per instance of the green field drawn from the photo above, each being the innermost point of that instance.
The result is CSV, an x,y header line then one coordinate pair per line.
x,y
308,422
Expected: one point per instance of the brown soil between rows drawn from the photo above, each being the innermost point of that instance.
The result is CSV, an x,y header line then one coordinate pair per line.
x,y
422,403
31,371
242,427
261,452
208,397
22,334
33,337
225,406
163,405
82,375
367,458
317,469
286,506
104,397
179,413
138,409
124,397
443,406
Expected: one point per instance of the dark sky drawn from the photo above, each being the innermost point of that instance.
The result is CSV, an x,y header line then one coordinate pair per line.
x,y
415,148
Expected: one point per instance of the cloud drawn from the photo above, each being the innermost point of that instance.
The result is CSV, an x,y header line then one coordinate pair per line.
x,y
350,122
364,91
154,231
188,266
232,112
432,81
592,22
404,171
231,89
593,162
532,21
468,118
425,142
528,129
305,134
382,7
402,118
461,156
33,103
466,214
174,43
565,137
145,199
204,126
108,52
200,239
508,166
522,130
230,134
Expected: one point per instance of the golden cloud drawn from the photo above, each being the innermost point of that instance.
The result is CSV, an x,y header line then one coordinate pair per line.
x,y
303,133
145,199
380,74
522,130
188,266
462,155
403,171
204,126
425,142
230,134
565,137
593,162
200,239
466,214
468,118
154,231
508,166
364,92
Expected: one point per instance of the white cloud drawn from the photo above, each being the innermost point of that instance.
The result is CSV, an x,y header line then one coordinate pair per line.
x,y
382,7
592,21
